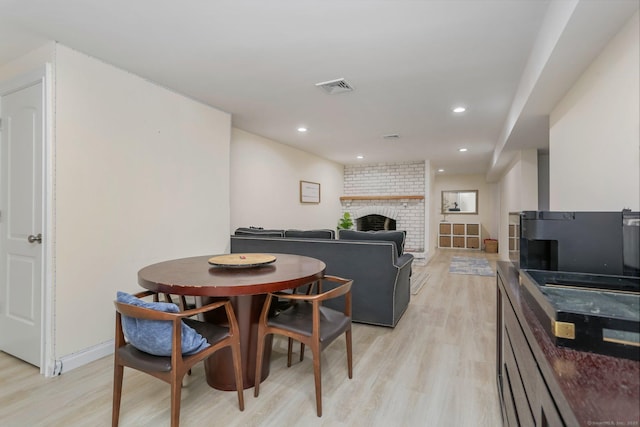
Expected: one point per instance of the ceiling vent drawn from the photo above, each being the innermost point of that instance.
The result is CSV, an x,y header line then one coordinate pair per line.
x,y
333,87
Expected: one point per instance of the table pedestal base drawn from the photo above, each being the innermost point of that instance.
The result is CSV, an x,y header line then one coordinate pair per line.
x,y
219,366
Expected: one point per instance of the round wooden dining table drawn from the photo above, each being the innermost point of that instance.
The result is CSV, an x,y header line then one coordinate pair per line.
x,y
246,288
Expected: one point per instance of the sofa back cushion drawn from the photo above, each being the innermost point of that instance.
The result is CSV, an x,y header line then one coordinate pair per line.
x,y
396,237
258,232
311,234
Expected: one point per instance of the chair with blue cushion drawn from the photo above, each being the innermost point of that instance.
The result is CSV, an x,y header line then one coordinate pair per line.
x,y
160,340
182,303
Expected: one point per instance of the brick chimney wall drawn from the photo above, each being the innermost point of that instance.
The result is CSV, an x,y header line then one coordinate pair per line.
x,y
390,179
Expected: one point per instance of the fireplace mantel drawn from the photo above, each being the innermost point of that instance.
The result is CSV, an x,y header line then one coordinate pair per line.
x,y
371,197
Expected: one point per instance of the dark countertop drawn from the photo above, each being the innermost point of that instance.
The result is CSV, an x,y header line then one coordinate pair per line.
x,y
590,389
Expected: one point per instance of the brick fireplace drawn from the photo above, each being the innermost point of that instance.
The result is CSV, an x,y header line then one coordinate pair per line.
x,y
375,222
407,218
374,218
395,191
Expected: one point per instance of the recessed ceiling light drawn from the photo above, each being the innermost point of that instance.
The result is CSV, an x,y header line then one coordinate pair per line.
x,y
462,150
440,170
360,157
302,129
459,109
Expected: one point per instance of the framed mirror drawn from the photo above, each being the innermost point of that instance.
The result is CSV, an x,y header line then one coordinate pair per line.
x,y
459,202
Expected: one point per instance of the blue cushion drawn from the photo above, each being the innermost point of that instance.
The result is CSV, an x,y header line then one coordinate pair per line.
x,y
154,336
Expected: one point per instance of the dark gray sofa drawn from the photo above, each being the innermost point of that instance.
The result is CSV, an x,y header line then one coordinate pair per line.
x,y
381,288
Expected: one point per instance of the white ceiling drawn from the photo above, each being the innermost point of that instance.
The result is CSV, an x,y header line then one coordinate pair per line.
x,y
409,62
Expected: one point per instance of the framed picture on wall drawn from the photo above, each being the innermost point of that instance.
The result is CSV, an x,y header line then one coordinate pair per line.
x,y
309,192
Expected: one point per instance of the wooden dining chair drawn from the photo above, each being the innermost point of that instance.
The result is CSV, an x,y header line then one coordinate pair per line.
x,y
310,323
182,303
171,368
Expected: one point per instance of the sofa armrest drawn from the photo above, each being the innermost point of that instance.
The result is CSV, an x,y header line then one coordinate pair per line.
x,y
404,260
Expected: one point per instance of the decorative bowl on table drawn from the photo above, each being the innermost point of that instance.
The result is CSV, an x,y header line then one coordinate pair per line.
x,y
241,260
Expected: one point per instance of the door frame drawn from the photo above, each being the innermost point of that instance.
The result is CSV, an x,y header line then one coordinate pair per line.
x,y
44,75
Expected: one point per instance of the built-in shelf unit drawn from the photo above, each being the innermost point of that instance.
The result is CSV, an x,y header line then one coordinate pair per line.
x,y
459,236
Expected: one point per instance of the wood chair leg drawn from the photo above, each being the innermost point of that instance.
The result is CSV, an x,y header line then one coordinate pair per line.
x,y
349,354
259,357
237,367
176,391
315,349
118,371
289,351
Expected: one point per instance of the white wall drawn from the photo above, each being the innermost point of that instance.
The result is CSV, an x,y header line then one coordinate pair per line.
x,y
486,204
432,202
527,161
543,181
28,62
595,132
142,175
428,203
518,192
265,185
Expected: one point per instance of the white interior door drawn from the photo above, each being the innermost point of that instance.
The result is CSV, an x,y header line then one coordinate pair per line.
x,y
21,222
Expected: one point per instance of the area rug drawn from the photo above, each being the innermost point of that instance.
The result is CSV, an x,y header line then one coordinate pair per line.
x,y
473,266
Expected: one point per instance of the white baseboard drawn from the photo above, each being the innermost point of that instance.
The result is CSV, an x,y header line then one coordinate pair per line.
x,y
88,355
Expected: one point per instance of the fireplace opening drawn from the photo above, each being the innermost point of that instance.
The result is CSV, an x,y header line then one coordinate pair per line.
x,y
375,223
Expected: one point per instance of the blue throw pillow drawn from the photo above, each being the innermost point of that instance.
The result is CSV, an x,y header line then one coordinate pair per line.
x,y
154,336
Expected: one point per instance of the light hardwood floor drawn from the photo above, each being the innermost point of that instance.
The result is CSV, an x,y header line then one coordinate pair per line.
x,y
436,368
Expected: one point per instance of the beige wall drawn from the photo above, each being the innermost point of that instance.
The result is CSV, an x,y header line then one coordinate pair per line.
x,y
595,132
486,204
141,175
265,182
